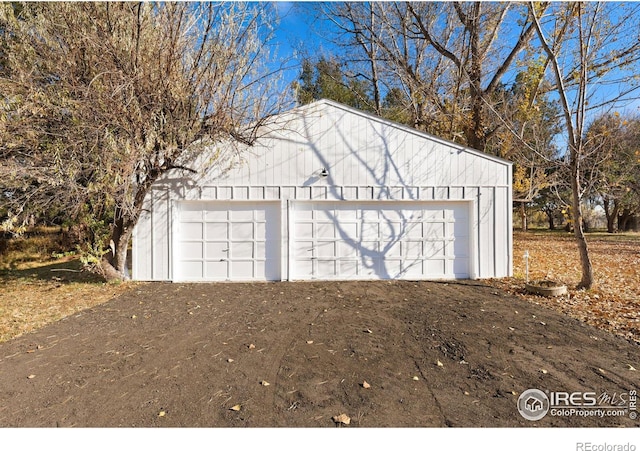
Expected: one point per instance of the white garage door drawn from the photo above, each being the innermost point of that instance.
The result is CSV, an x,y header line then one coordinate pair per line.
x,y
227,241
380,240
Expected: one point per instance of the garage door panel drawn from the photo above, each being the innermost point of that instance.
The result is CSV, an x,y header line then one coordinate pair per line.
x,y
434,249
392,215
435,266
261,230
325,249
413,240
241,270
370,230
304,268
368,247
346,249
413,231
191,270
241,241
303,250
394,249
216,215
413,269
326,266
193,250
241,250
434,229
215,270
348,230
325,230
304,230
216,230
192,231
412,249
241,214
392,267
242,231
346,214
216,250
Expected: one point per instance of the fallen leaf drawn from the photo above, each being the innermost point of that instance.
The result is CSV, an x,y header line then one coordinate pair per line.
x,y
342,418
162,413
439,363
309,342
544,371
252,346
133,316
229,360
368,331
265,383
366,384
31,376
631,368
236,408
416,378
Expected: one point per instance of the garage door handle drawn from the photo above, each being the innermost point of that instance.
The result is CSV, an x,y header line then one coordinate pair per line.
x,y
223,259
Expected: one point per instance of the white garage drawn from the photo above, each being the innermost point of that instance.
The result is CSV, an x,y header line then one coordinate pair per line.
x,y
331,193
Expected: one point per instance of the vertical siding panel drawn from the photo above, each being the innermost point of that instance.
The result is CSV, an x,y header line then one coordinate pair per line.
x,y
502,234
486,234
160,234
472,193
142,249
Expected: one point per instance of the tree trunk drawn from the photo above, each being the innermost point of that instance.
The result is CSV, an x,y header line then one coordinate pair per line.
x,y
523,217
578,230
611,214
552,224
114,263
623,219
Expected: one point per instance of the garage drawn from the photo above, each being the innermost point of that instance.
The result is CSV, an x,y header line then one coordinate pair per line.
x,y
221,241
380,240
328,192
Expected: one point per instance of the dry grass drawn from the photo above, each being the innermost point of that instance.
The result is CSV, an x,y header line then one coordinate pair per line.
x,y
32,296
39,290
612,304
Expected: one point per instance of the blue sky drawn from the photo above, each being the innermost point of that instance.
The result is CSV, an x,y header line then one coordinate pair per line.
x,y
295,36
299,34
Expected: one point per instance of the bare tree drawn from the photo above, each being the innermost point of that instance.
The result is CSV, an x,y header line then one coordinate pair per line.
x,y
587,45
611,164
99,100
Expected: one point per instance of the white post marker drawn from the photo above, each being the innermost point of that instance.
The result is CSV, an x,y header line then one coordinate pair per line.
x,y
526,266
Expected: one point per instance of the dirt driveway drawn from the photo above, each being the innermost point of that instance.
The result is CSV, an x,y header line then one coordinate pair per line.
x,y
385,354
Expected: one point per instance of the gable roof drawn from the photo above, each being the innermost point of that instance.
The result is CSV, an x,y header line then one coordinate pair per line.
x,y
389,123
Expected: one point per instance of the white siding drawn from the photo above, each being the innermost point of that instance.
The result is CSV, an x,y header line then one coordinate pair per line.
x,y
367,158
